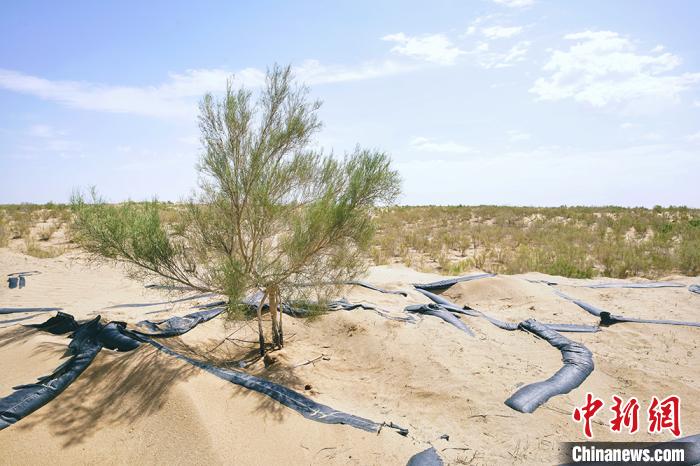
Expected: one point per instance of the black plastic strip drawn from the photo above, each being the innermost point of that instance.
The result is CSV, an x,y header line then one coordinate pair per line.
x,y
59,324
427,457
375,288
175,326
296,401
18,310
12,321
28,398
571,328
607,319
444,284
635,285
578,365
436,310
466,310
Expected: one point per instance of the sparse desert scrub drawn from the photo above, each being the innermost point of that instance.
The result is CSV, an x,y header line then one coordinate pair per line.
x,y
46,232
570,241
32,248
4,231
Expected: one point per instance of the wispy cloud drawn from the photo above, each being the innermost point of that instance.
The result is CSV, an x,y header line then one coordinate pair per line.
x,y
434,48
178,95
604,68
501,32
42,139
487,57
515,3
695,137
450,147
515,135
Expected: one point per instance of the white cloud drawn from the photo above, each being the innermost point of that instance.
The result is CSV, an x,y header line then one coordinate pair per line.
x,y
696,103
501,32
604,68
178,95
434,48
515,3
41,139
693,137
628,125
487,58
314,72
428,145
517,135
44,131
652,136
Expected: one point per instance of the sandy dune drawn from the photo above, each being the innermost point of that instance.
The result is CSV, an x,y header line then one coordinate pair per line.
x,y
146,407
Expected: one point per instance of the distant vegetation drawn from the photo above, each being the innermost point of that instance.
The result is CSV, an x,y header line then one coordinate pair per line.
x,y
569,241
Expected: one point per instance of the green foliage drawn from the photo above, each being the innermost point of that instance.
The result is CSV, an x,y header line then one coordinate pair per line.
x,y
271,212
571,241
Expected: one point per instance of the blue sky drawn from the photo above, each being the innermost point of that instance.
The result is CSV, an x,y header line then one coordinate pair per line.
x,y
520,102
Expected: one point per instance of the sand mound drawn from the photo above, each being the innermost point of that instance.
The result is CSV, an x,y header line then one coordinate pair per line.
x,y
515,299
147,407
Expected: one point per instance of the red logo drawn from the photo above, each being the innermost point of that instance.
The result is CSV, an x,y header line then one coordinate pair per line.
x,y
662,414
589,409
665,414
627,416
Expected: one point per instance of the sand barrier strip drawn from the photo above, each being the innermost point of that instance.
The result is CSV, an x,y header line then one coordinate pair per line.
x,y
427,457
578,365
89,338
449,306
607,319
28,398
444,284
436,310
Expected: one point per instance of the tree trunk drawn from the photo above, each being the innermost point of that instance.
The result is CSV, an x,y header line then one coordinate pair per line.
x,y
281,334
273,315
261,333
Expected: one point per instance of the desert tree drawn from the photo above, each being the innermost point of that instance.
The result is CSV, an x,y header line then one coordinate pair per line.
x,y
272,212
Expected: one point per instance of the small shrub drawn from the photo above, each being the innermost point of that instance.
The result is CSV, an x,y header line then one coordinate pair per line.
x,y
33,249
45,233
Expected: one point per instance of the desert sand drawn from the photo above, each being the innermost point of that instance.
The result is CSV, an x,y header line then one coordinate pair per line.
x,y
149,408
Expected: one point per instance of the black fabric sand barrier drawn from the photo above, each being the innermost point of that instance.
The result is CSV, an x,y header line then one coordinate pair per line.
x,y
361,283
427,457
28,398
466,310
444,284
18,310
436,310
89,338
375,288
446,304
302,309
572,328
13,321
694,289
175,326
296,401
607,319
636,285
578,365
59,324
